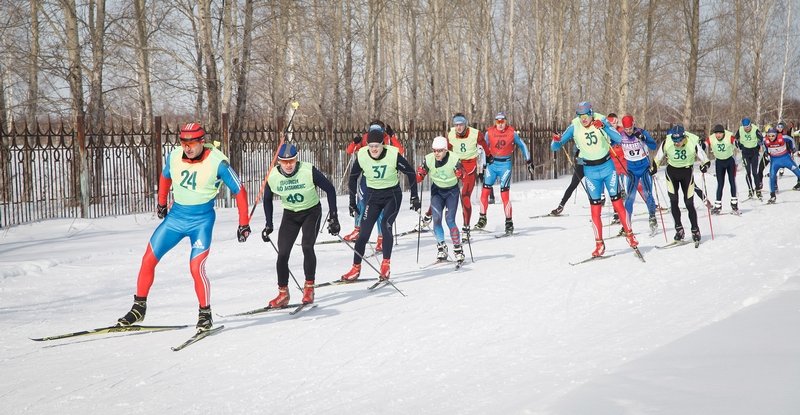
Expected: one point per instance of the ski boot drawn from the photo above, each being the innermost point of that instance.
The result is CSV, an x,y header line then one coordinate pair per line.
x,y
796,186
136,314
282,300
599,248
481,222
509,226
352,236
557,211
458,252
759,195
771,198
631,238
679,233
750,194
379,244
385,271
353,274
465,233
621,232
735,206
426,221
717,208
441,254
696,236
308,292
204,320
615,220
653,223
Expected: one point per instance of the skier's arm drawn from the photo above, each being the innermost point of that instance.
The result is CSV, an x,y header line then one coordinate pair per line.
x,y
701,154
403,166
231,179
268,207
564,137
323,183
649,141
521,145
352,181
660,155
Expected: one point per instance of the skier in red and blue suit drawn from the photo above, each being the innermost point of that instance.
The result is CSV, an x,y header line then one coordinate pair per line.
x,y
778,154
594,136
198,169
501,140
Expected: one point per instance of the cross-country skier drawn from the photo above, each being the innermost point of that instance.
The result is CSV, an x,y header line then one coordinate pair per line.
x,y
593,137
444,169
636,146
464,141
778,154
501,140
200,168
380,165
722,144
296,183
681,149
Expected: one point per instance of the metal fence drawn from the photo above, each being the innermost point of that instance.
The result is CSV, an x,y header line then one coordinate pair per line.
x,y
58,171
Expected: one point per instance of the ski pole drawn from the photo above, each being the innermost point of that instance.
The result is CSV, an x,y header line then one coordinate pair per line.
x,y
705,188
660,212
290,271
419,224
370,264
295,105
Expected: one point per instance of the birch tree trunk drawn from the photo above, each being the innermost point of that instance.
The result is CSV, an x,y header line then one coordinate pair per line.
x,y
211,76
623,65
508,102
228,48
787,31
97,23
143,64
75,74
33,68
241,86
692,19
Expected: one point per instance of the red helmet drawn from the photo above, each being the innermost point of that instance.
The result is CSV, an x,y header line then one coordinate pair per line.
x,y
627,121
192,131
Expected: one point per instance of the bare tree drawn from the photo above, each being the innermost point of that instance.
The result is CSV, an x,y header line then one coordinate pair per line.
x,y
143,64
211,75
691,12
33,66
75,74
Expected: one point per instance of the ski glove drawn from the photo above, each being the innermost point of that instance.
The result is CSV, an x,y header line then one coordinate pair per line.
x,y
415,204
704,167
598,124
265,233
356,139
489,159
556,137
333,226
530,167
653,168
161,211
243,232
353,207
389,130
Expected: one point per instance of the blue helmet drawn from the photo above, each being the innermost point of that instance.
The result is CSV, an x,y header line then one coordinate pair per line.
x,y
287,151
677,133
745,122
584,107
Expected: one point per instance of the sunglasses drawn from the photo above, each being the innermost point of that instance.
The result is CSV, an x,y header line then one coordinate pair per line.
x,y
502,121
585,117
439,150
375,145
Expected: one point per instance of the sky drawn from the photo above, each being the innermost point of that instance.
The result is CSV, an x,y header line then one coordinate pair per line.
x,y
710,330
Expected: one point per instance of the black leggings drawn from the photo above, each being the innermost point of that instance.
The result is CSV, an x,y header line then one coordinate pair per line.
x,y
377,201
750,161
681,179
725,167
577,176
309,221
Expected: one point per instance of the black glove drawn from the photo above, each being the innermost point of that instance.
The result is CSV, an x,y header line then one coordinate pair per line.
x,y
243,232
356,139
530,167
480,176
704,167
333,226
638,134
389,130
489,159
161,211
766,159
265,233
353,208
653,167
415,204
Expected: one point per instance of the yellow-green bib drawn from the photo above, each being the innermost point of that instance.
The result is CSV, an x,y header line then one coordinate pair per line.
x,y
195,183
380,174
722,149
590,141
682,156
444,176
465,148
297,192
748,140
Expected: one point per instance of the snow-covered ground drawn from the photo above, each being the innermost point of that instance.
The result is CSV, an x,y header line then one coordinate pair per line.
x,y
713,330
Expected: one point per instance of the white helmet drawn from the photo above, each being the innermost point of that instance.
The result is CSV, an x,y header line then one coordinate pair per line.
x,y
439,143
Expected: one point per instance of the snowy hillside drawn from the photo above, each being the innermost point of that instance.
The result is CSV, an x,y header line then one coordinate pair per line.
x,y
712,330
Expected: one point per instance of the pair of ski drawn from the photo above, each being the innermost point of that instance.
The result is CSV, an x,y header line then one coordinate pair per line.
x,y
442,262
597,258
675,244
548,215
199,335
376,283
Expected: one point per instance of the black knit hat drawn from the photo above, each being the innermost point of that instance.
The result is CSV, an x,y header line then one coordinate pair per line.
x,y
375,136
718,129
